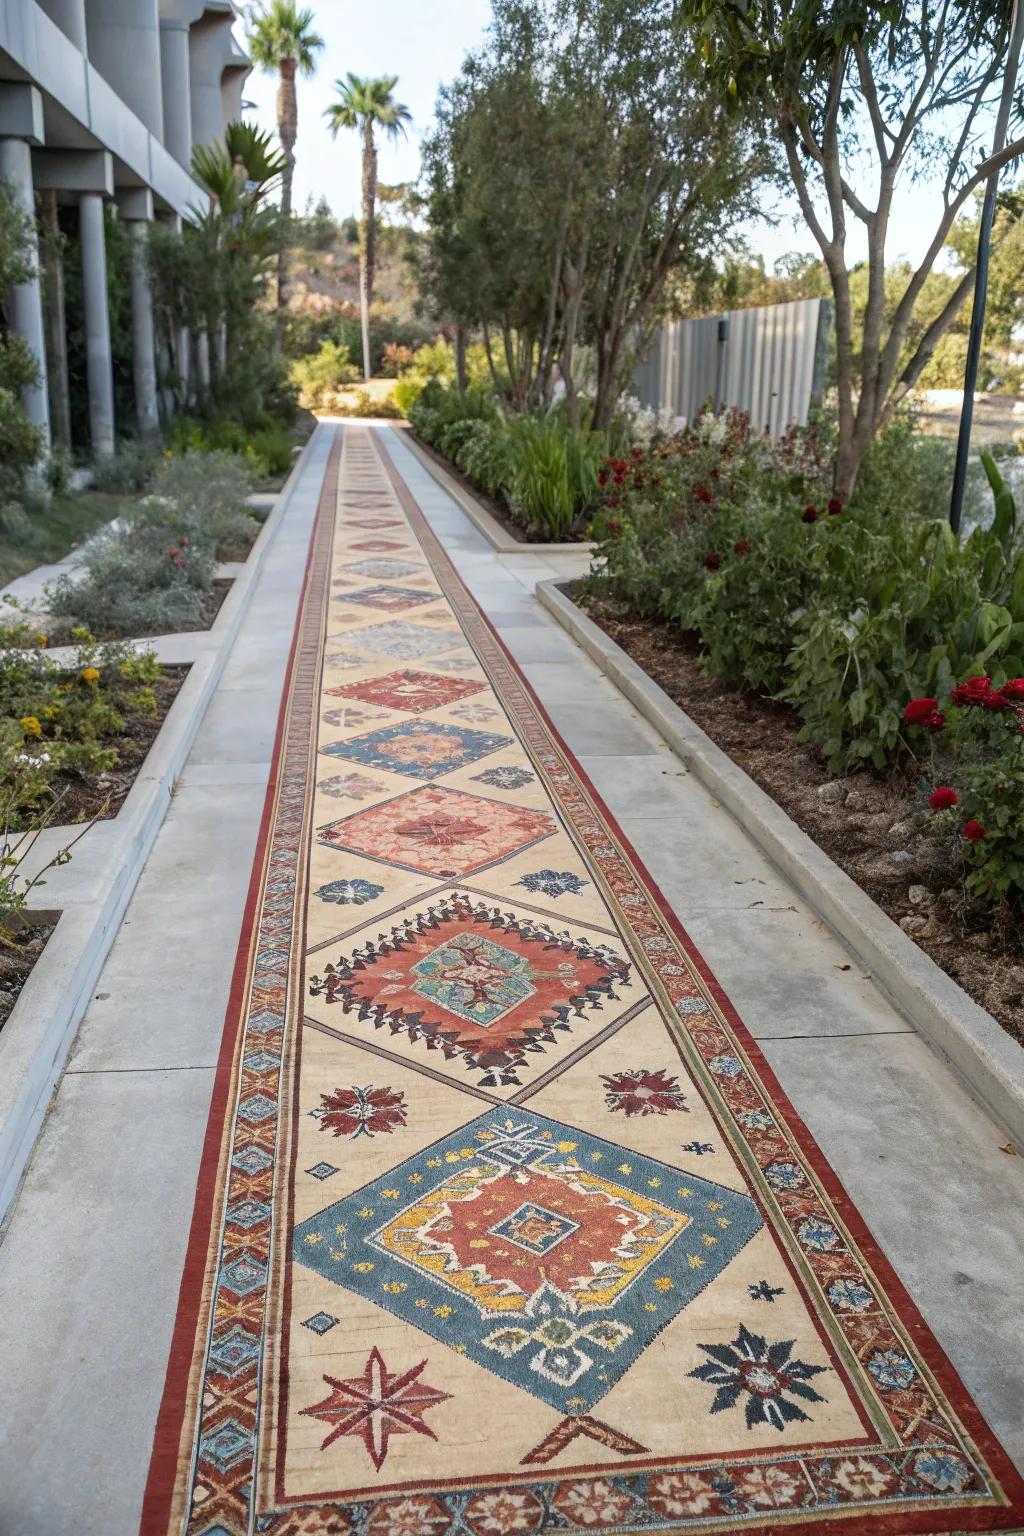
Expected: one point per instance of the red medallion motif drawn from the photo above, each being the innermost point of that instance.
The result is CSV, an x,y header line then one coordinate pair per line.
x,y
377,1405
410,690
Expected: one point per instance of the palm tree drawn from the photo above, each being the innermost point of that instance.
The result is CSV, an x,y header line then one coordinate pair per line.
x,y
281,40
365,105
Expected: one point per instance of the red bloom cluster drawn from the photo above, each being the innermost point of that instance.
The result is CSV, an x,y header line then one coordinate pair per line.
x,y
974,832
943,798
924,712
712,562
741,547
810,513
701,493
835,506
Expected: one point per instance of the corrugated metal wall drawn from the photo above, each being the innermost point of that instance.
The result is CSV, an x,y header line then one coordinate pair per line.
x,y
769,361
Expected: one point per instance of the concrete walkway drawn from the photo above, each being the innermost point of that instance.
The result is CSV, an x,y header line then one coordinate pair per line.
x,y
90,1266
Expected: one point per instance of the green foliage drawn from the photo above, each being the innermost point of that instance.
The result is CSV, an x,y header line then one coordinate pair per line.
x,y
203,495
265,449
845,616
322,374
406,393
362,403
57,719
130,469
544,472
20,442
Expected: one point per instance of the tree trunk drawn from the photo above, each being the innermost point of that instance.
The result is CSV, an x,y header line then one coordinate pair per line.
x,y
460,358
490,357
368,250
287,130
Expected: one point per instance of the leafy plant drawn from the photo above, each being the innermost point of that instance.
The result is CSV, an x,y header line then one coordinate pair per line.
x,y
323,373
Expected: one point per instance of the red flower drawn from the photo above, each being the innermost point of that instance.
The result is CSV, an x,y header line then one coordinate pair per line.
x,y
1013,690
712,562
935,721
810,513
362,1111
741,547
614,528
974,832
943,798
918,711
975,691
638,454
835,506
602,477
701,493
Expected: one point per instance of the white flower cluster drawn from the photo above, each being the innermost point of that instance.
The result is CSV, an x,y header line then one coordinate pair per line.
x,y
645,423
713,428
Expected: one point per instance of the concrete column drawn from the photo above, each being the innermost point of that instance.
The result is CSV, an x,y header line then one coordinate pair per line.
x,y
25,303
147,411
52,266
202,341
124,45
69,15
176,85
97,324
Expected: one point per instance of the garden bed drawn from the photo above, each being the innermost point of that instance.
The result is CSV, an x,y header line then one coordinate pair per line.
x,y
499,512
18,959
85,796
866,823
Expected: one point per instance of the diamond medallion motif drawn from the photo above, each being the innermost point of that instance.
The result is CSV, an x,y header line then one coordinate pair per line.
x,y
481,987
553,1258
420,749
438,831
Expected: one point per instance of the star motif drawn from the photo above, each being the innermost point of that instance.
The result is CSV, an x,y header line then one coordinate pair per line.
x,y
376,1405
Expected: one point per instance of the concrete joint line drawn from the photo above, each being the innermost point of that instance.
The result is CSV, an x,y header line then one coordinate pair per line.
x,y
37,1038
967,1037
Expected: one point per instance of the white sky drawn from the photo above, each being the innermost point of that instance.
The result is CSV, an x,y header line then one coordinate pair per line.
x,y
424,42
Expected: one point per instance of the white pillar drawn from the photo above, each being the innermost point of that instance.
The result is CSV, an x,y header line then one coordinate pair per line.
x,y
147,412
203,360
97,324
176,81
26,303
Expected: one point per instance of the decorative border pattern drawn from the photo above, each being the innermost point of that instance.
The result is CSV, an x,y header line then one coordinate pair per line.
x,y
927,1461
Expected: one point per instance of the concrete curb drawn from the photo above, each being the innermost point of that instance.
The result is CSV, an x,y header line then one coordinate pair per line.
x,y
478,515
984,1056
37,1038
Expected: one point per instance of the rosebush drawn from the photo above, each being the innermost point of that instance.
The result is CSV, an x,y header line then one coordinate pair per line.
x,y
977,770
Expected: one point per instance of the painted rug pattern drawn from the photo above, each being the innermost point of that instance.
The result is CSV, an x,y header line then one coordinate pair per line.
x,y
504,1226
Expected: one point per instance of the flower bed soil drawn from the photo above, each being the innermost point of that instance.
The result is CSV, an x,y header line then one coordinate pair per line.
x,y
86,796
19,956
871,825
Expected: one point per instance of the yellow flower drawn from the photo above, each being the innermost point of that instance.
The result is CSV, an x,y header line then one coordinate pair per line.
x,y
90,675
30,725
43,642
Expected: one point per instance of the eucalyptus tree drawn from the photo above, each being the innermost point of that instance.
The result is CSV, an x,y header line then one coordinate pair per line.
x,y
282,41
857,99
368,107
576,166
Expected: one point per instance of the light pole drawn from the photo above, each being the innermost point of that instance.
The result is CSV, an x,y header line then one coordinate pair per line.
x,y
988,211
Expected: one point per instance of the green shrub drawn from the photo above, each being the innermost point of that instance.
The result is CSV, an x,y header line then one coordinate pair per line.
x,y
128,470
406,393
362,403
553,473
133,582
268,452
203,495
323,373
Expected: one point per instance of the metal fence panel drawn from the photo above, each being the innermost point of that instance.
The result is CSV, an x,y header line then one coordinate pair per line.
x,y
767,361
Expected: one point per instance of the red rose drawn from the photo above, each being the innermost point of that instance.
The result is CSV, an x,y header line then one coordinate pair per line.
x,y
741,547
935,721
602,478
1013,690
835,506
810,513
975,691
974,832
943,798
712,561
703,494
918,711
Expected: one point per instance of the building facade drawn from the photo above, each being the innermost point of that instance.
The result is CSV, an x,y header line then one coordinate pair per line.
x,y
102,103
